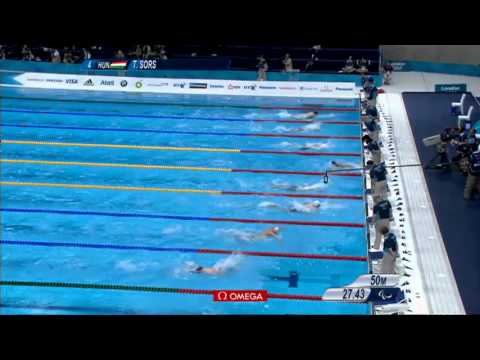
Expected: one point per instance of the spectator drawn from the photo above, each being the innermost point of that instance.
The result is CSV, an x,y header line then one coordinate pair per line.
x,y
56,59
473,179
119,54
362,64
388,71
390,252
163,53
287,63
310,65
262,67
147,52
25,52
348,68
67,57
194,54
382,213
138,52
3,54
86,54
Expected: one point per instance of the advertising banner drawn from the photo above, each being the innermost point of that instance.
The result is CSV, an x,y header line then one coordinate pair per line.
x,y
188,86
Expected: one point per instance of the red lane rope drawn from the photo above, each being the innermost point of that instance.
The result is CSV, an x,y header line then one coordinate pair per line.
x,y
290,222
295,297
317,196
299,153
310,108
309,136
286,255
313,173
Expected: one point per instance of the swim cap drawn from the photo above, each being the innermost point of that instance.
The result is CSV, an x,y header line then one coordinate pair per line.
x,y
276,229
316,203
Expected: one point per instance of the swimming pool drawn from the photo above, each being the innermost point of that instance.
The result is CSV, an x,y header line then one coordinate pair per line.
x,y
127,189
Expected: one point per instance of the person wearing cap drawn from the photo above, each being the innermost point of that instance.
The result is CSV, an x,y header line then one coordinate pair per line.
x,y
371,92
371,112
307,207
378,176
373,129
390,252
473,179
374,150
382,214
273,232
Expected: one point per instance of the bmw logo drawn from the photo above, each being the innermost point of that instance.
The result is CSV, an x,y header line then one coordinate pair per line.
x,y
138,84
123,83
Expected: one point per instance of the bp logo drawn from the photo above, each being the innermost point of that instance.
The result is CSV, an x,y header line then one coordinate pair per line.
x,y
123,83
138,84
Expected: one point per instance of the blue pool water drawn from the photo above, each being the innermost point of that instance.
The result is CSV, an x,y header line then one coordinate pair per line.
x,y
63,117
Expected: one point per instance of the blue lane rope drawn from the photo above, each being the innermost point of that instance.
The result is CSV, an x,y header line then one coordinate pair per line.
x,y
98,246
126,130
129,115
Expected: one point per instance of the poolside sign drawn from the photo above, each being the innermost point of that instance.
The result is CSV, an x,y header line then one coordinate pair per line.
x,y
450,88
240,296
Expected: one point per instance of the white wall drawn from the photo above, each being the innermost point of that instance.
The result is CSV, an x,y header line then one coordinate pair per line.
x,y
455,54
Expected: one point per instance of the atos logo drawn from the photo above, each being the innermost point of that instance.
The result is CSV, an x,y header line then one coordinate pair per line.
x,y
123,83
71,81
107,83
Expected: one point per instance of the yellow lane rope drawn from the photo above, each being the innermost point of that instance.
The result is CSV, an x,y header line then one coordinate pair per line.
x,y
137,147
110,187
136,166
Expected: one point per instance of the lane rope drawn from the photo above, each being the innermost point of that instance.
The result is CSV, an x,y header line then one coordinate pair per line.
x,y
166,167
153,131
282,121
68,285
185,250
173,148
171,190
184,218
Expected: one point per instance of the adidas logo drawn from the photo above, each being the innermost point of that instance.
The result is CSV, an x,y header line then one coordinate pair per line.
x,y
89,82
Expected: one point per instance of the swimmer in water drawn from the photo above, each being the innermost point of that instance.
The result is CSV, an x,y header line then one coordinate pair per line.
x,y
291,187
340,165
307,207
314,146
269,233
308,116
310,127
220,268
